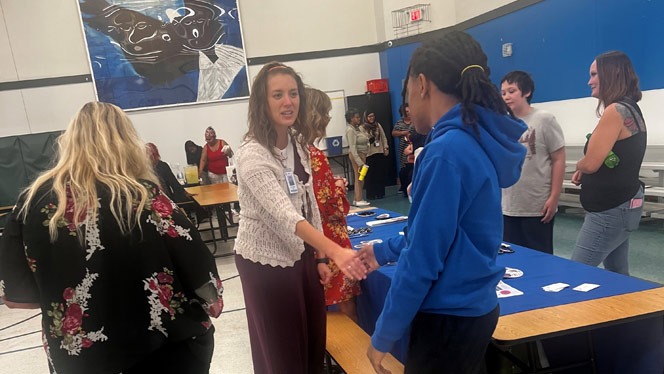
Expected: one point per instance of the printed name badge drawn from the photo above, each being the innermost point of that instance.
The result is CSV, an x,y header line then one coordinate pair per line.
x,y
290,181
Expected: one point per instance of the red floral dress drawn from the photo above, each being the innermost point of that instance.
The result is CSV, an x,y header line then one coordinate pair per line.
x,y
333,207
108,299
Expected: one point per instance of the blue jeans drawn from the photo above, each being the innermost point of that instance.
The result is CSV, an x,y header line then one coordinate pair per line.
x,y
604,236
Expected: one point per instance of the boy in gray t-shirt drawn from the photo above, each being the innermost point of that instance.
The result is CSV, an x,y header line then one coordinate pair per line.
x,y
529,206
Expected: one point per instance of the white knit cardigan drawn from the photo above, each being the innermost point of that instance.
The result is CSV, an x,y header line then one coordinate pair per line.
x,y
268,213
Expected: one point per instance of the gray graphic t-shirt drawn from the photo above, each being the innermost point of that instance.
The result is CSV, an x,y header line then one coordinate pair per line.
x,y
544,136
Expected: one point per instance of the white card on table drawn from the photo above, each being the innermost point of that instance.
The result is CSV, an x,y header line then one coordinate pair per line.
x,y
556,287
585,287
505,290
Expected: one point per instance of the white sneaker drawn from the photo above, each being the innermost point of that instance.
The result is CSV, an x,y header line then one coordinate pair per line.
x,y
361,203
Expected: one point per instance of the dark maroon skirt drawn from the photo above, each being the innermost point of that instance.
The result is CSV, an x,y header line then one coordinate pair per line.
x,y
286,315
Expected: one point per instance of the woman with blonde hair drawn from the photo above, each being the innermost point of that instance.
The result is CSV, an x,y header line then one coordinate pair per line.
x,y
279,236
124,282
332,204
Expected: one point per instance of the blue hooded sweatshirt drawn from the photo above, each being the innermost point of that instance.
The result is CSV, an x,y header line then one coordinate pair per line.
x,y
447,262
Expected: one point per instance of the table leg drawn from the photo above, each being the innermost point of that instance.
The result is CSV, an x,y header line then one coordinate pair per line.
x,y
214,240
221,220
591,351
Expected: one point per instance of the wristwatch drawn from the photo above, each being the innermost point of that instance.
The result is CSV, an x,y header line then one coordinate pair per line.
x,y
324,260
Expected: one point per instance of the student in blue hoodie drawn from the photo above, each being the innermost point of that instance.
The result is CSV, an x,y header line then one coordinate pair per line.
x,y
446,276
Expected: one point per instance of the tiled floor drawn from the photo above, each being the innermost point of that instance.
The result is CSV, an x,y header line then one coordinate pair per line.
x,y
23,354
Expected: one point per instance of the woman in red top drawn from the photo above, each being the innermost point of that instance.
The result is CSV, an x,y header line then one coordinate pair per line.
x,y
333,205
215,156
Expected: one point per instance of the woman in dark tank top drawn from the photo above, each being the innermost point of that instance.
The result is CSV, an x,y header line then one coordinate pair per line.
x,y
611,192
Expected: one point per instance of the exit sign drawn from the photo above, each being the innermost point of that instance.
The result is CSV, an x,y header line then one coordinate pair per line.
x,y
415,15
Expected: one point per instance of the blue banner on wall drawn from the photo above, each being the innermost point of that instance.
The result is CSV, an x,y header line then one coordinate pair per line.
x,y
150,53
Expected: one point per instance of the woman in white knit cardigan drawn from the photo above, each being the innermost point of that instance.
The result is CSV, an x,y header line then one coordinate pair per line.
x,y
279,231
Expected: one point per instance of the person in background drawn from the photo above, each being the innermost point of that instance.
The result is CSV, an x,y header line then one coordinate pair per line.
x,y
279,238
530,205
171,187
194,153
379,148
215,157
358,146
122,277
444,286
167,180
611,193
332,203
402,131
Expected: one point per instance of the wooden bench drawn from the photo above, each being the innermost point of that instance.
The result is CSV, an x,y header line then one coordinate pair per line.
x,y
347,344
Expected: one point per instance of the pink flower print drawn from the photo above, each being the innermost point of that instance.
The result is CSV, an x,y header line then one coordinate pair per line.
x,y
206,324
165,295
86,343
164,278
172,232
215,308
68,293
153,285
73,319
69,210
162,205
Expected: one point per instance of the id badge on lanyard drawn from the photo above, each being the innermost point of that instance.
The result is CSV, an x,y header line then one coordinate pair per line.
x,y
290,181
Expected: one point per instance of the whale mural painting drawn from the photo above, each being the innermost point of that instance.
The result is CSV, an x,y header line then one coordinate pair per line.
x,y
147,53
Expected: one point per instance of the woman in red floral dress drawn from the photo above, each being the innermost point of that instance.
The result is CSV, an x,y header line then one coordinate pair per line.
x,y
333,205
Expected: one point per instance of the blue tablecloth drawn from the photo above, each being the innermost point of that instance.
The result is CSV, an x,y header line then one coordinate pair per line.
x,y
539,269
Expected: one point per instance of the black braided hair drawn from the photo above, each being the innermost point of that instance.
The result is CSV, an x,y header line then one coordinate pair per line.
x,y
443,59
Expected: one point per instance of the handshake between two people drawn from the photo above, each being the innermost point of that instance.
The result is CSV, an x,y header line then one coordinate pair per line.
x,y
354,264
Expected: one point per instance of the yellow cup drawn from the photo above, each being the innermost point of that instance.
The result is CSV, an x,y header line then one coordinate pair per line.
x,y
191,174
363,172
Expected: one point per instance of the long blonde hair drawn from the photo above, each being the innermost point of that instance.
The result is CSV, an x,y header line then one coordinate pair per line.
x,y
99,146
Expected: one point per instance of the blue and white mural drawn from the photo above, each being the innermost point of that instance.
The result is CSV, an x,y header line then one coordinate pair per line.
x,y
147,53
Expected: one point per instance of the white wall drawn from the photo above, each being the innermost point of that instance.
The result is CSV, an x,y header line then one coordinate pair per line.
x,y
442,15
577,116
45,39
280,27
467,9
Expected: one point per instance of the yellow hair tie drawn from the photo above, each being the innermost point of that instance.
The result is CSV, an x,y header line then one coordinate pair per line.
x,y
471,66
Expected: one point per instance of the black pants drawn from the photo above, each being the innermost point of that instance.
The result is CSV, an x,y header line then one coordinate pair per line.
x,y
405,177
441,343
187,356
529,232
374,182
